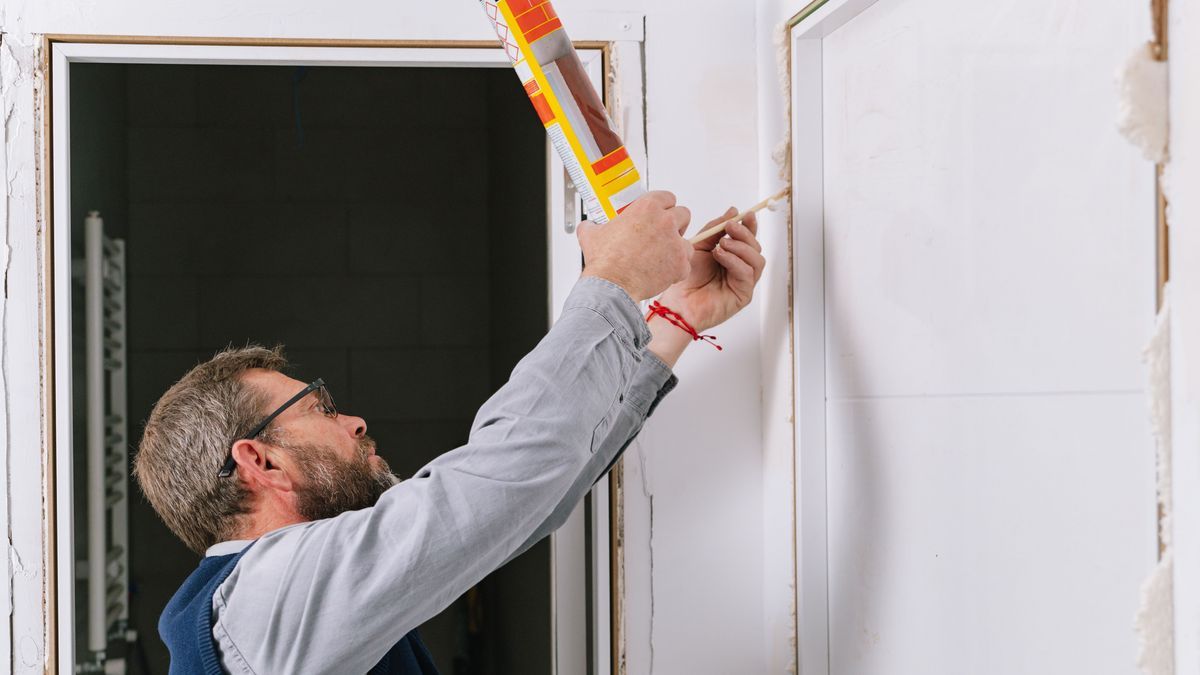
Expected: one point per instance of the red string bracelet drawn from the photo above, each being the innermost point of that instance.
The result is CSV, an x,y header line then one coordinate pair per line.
x,y
679,322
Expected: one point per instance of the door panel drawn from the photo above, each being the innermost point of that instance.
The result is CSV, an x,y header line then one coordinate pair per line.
x,y
986,247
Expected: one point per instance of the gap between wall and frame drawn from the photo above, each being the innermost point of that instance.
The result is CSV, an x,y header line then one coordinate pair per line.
x,y
1159,22
1162,253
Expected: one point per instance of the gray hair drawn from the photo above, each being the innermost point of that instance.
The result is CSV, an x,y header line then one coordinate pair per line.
x,y
187,438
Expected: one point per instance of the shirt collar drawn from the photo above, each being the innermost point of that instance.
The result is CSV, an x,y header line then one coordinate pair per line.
x,y
227,547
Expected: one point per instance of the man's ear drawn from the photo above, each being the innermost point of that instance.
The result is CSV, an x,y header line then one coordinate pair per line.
x,y
256,464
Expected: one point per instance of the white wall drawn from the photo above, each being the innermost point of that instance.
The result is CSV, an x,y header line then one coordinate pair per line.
x,y
1184,220
693,489
693,572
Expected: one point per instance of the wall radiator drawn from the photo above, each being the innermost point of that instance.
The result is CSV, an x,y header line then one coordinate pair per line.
x,y
107,442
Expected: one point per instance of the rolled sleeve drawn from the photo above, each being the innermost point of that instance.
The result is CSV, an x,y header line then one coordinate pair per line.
x,y
612,302
653,381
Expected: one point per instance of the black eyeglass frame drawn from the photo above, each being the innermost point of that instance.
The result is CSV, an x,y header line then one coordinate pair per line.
x,y
316,385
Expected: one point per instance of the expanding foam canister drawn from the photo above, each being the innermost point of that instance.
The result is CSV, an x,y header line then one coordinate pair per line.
x,y
568,105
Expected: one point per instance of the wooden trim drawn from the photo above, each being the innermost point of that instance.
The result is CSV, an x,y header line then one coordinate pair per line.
x,y
1159,18
616,568
1162,263
45,224
803,14
791,322
185,40
1162,238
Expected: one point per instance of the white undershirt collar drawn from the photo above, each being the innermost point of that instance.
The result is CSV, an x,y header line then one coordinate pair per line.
x,y
227,547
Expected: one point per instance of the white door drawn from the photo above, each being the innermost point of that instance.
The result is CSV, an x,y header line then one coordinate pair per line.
x,y
975,281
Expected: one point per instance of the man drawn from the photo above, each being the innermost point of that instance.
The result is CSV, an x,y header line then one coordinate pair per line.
x,y
318,561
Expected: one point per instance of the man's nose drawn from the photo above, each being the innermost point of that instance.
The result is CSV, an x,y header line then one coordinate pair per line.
x,y
357,426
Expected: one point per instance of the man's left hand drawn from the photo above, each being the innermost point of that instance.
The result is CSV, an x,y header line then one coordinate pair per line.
x,y
725,269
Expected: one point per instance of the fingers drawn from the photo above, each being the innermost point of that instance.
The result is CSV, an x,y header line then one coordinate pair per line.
x,y
681,216
659,198
744,231
741,259
751,222
738,273
585,231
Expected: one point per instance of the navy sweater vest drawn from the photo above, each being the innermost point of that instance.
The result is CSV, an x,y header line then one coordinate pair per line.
x,y
186,627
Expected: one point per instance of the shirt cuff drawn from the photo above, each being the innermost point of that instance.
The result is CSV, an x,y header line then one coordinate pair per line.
x,y
651,383
614,304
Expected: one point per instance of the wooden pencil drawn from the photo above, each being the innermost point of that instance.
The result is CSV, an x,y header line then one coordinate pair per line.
x,y
753,209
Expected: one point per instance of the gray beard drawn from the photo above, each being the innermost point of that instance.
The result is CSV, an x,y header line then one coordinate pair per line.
x,y
334,485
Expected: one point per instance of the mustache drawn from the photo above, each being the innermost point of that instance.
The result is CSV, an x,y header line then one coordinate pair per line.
x,y
367,447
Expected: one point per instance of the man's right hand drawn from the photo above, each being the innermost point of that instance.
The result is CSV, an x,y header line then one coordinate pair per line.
x,y
641,250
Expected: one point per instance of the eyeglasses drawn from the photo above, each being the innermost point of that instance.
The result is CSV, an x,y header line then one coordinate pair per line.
x,y
324,403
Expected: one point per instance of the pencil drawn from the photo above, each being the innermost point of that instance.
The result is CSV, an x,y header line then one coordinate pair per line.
x,y
753,209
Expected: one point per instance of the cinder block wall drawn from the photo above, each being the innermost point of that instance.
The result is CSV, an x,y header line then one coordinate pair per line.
x,y
386,225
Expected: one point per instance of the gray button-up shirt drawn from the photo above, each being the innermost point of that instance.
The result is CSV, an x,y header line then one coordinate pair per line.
x,y
332,596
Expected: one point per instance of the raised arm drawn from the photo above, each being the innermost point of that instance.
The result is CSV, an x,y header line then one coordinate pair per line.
x,y
720,284
335,595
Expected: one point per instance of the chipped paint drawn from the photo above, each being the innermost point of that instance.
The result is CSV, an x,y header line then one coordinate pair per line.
x,y
22,82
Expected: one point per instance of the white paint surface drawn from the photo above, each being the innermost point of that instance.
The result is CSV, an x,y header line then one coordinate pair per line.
x,y
986,240
980,211
1183,175
987,534
21,359
696,586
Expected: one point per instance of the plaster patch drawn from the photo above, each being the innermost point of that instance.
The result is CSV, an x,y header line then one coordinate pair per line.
x,y
1155,622
782,153
1142,107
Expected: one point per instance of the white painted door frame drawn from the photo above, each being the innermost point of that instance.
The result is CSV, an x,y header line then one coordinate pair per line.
x,y
568,567
806,31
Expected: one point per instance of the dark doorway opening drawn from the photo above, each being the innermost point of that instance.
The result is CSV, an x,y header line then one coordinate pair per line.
x,y
388,225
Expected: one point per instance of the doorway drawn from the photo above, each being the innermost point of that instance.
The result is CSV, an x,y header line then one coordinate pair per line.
x,y
389,225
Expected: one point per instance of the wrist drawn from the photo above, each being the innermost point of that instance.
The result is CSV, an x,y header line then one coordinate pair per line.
x,y
600,272
687,307
667,342
675,327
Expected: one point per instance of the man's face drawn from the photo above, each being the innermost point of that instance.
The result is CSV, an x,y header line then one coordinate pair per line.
x,y
332,459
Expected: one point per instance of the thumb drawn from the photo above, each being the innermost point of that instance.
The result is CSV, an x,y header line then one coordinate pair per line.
x,y
584,232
